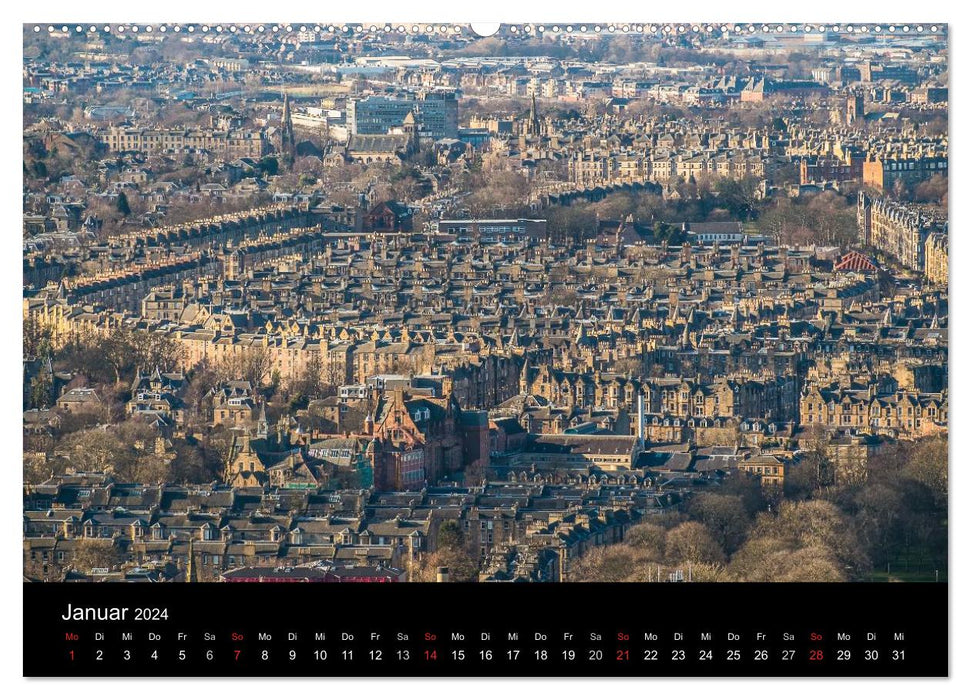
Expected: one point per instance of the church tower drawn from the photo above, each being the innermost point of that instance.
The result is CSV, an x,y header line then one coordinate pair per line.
x,y
855,109
234,265
410,127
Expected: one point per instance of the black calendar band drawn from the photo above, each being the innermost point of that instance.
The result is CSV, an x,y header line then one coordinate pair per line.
x,y
369,629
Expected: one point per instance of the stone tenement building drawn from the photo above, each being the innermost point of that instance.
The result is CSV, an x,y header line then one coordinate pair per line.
x,y
228,143
772,398
902,232
884,169
936,261
594,168
900,413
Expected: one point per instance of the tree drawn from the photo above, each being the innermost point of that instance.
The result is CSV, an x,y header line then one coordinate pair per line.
x,y
110,357
197,396
449,553
927,464
38,338
309,383
216,446
614,206
826,218
897,512
122,204
804,541
667,233
151,469
499,193
570,224
801,481
41,390
748,488
269,165
189,466
724,516
879,520
932,190
815,459
92,450
450,536
738,196
612,564
769,559
36,468
94,554
691,542
251,365
460,565
817,523
899,189
648,538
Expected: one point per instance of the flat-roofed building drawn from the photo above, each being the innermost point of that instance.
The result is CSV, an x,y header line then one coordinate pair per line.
x,y
494,230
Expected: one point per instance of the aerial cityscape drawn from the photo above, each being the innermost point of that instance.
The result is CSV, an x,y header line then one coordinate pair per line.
x,y
404,303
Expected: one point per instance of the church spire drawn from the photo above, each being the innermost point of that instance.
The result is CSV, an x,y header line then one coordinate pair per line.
x,y
262,425
532,124
287,141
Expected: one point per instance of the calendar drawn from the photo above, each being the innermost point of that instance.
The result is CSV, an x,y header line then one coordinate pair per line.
x,y
194,635
531,349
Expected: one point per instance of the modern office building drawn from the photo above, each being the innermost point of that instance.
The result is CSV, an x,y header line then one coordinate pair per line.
x,y
436,114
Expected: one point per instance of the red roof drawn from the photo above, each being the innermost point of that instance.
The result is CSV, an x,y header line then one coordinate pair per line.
x,y
856,262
